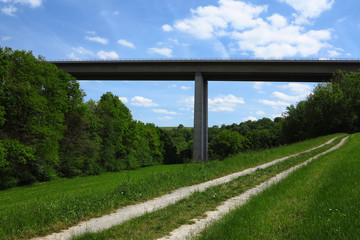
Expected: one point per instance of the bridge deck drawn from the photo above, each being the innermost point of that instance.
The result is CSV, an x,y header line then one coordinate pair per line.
x,y
212,70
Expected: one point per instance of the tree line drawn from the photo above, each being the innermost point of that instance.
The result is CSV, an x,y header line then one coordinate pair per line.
x,y
47,130
227,140
332,107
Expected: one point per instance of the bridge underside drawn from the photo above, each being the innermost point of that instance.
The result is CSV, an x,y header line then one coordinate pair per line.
x,y
203,71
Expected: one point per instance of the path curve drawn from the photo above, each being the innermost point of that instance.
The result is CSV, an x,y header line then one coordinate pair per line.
x,y
189,231
126,213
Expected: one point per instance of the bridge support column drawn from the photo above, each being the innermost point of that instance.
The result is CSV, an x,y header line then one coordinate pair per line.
x,y
200,152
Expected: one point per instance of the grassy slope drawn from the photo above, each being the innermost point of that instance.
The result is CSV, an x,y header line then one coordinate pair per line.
x,y
47,207
159,223
319,201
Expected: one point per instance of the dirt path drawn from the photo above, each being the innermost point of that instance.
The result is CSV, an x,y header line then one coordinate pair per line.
x,y
129,212
189,231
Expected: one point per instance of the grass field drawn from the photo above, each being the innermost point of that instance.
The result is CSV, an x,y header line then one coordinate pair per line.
x,y
43,208
319,201
160,223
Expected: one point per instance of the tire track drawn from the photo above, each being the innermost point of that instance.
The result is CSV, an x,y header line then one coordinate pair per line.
x,y
189,231
136,210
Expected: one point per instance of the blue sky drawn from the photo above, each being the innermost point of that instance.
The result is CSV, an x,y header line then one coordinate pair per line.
x,y
153,29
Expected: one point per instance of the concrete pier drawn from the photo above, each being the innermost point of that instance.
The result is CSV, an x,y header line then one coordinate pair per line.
x,y
200,151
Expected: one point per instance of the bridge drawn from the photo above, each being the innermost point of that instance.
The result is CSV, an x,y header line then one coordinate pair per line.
x,y
202,71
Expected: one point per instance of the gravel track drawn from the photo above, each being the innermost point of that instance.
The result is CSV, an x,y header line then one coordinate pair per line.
x,y
132,211
190,231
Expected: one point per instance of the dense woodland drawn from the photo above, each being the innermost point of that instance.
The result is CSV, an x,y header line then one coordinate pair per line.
x,y
47,130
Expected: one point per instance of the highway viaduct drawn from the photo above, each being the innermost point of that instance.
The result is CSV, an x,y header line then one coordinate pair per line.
x,y
202,71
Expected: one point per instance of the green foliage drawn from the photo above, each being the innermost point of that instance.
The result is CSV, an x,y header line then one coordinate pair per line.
x,y
115,129
227,143
35,96
332,107
42,108
2,115
17,164
169,150
79,148
182,138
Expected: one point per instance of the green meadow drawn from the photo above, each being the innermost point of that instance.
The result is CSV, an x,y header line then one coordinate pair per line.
x,y
43,208
318,201
160,223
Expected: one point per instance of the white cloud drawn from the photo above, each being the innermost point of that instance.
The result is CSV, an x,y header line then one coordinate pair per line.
x,y
258,85
10,10
218,104
6,38
309,8
142,102
91,32
274,103
206,22
260,113
341,20
84,51
107,55
299,91
277,21
283,96
219,47
185,88
125,43
165,118
269,37
298,88
123,99
174,41
188,102
97,39
267,41
250,118
167,52
164,111
333,53
166,28
31,3
224,103
73,56
170,42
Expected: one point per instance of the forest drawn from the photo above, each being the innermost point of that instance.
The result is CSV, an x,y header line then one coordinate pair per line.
x,y
48,131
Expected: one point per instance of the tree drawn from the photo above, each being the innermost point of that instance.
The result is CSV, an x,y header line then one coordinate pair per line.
x,y
115,125
169,150
35,95
227,143
332,107
79,149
